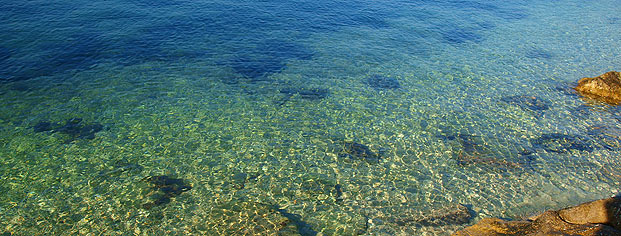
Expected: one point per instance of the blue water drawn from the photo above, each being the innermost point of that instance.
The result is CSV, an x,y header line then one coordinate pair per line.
x,y
300,117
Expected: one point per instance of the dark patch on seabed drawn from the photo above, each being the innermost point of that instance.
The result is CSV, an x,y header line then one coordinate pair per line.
x,y
357,151
304,228
607,136
166,40
255,67
381,82
73,53
538,53
562,143
74,128
82,51
163,188
473,151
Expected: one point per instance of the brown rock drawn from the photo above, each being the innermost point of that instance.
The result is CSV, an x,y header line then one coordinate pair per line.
x,y
604,211
601,217
605,88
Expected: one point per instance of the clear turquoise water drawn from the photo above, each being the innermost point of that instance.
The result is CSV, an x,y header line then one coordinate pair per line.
x,y
253,104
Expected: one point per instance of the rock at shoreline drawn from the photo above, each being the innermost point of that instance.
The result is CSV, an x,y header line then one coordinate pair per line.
x,y
601,217
605,88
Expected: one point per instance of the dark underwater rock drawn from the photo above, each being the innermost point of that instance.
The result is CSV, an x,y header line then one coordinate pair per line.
x,y
561,143
538,53
256,68
471,144
303,228
381,82
74,128
338,193
605,88
43,126
163,188
78,130
474,151
527,102
358,151
239,180
607,136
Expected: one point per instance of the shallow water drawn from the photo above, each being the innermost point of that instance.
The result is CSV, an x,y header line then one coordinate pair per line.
x,y
300,117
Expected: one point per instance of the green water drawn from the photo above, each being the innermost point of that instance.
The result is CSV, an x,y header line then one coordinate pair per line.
x,y
264,162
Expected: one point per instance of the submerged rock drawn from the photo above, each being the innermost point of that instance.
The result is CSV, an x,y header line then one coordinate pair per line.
x,y
256,68
607,136
73,127
599,217
163,188
359,151
78,130
383,82
43,126
302,227
473,150
538,53
561,143
605,88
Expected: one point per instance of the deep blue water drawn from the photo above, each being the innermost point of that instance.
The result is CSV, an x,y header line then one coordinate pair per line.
x,y
300,117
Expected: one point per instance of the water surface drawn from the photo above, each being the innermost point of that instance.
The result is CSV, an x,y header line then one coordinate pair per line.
x,y
300,117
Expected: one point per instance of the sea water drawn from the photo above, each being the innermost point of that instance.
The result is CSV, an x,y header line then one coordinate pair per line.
x,y
300,117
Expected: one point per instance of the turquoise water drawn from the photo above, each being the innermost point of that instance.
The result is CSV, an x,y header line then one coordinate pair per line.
x,y
300,117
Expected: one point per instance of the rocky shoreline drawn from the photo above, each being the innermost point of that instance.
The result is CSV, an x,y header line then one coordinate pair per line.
x,y
600,217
